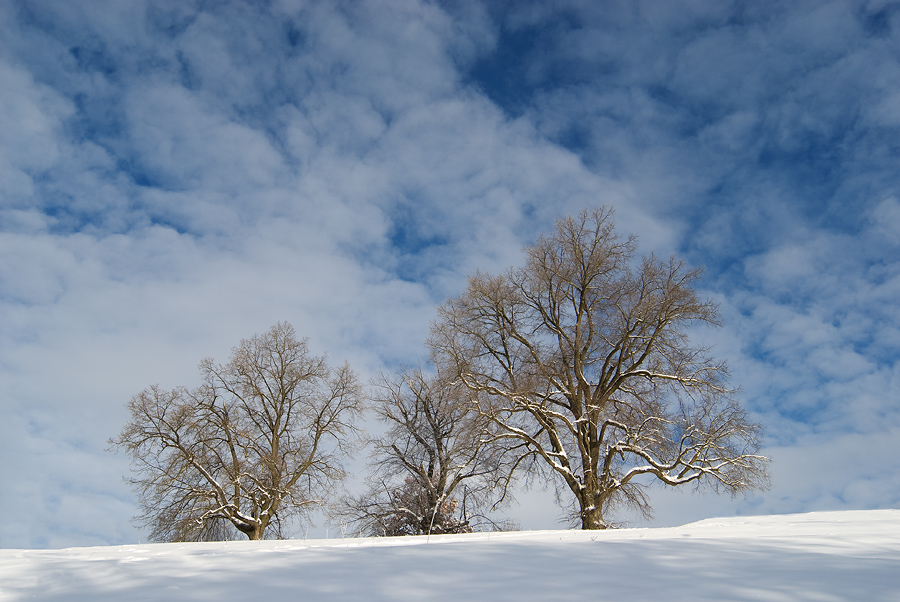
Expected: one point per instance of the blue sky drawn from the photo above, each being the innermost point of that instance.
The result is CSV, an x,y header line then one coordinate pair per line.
x,y
176,176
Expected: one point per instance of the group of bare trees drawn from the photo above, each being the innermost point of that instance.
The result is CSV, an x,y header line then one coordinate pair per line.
x,y
574,370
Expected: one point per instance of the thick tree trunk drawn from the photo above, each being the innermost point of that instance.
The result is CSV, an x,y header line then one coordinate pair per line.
x,y
592,518
589,494
589,499
252,532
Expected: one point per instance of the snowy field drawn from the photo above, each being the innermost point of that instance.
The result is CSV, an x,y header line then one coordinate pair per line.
x,y
818,556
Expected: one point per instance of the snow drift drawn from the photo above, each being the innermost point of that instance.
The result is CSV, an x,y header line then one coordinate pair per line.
x,y
819,556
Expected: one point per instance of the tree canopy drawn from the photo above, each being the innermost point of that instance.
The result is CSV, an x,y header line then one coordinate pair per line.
x,y
582,363
435,469
260,441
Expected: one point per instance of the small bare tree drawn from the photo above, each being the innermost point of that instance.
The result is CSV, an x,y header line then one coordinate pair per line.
x,y
584,361
260,441
407,509
434,469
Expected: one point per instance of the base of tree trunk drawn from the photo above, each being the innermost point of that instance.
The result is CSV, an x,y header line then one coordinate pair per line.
x,y
592,521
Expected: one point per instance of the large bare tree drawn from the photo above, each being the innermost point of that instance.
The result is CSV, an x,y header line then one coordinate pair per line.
x,y
434,469
259,441
582,359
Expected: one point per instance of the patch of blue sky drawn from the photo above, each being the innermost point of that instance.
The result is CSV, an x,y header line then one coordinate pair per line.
x,y
419,247
408,238
503,74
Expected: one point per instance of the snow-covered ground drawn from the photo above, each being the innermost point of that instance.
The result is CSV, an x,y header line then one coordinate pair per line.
x,y
820,556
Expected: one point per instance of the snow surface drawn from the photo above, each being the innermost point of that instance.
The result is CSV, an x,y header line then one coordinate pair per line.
x,y
820,556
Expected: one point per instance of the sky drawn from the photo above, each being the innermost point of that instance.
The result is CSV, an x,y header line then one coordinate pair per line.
x,y
176,176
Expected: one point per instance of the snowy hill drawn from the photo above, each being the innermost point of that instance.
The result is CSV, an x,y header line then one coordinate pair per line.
x,y
819,556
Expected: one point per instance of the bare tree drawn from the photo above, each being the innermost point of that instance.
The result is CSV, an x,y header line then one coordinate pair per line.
x,y
583,360
408,508
434,469
258,443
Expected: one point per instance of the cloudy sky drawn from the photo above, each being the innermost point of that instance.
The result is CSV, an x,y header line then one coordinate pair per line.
x,y
177,175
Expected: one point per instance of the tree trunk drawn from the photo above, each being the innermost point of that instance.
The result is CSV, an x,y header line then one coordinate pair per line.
x,y
592,518
589,494
253,532
591,507
255,535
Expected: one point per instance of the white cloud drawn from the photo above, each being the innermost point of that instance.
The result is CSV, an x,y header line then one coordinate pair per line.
x,y
30,118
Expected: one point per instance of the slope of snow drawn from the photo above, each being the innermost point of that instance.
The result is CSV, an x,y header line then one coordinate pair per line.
x,y
824,556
